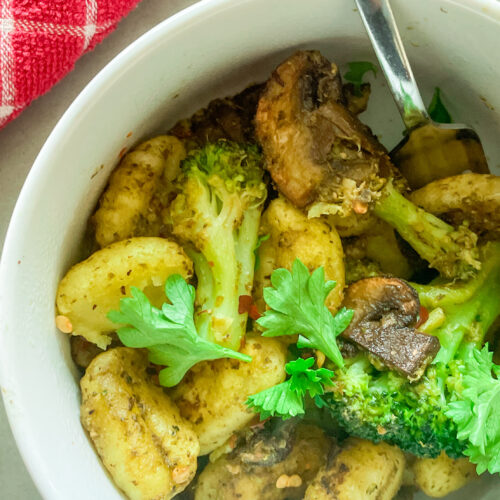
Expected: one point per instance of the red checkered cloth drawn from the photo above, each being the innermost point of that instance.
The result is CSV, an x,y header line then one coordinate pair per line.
x,y
40,41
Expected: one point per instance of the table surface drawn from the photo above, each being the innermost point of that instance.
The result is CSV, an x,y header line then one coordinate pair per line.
x,y
20,142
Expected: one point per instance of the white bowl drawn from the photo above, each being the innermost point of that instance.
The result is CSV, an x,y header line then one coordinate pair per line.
x,y
211,49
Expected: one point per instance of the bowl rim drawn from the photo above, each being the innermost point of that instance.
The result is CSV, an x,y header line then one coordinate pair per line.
x,y
43,169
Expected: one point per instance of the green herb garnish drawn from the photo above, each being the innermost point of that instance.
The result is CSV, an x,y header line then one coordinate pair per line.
x,y
169,333
357,71
297,306
437,110
476,414
286,400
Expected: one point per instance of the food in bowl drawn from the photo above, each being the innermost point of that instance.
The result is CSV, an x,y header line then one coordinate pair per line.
x,y
265,291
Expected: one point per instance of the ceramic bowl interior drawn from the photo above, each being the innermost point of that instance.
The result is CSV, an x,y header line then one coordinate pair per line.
x,y
212,49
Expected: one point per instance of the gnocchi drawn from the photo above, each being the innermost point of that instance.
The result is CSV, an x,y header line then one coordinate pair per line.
x,y
92,288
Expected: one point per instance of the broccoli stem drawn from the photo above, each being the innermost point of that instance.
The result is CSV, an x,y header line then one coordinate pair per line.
x,y
204,293
220,253
217,213
212,285
469,307
382,405
246,241
451,251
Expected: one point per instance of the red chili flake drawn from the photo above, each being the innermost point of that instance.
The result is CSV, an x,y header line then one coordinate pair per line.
x,y
244,304
423,316
211,264
254,312
122,152
129,134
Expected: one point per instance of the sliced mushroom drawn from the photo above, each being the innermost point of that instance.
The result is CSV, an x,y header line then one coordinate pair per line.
x,y
315,148
385,310
474,198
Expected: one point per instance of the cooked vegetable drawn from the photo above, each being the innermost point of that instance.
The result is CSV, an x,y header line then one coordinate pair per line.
x,y
382,405
470,307
453,252
212,395
138,191
437,477
297,302
321,156
471,198
168,333
95,286
437,110
286,400
385,313
361,470
293,236
233,478
218,212
315,149
134,426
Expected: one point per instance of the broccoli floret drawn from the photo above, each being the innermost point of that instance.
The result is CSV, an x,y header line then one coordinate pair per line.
x,y
217,212
383,405
453,252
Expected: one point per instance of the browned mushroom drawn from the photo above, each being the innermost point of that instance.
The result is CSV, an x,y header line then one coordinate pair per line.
x,y
315,148
385,312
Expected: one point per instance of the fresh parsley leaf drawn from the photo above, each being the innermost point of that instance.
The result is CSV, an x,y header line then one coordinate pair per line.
x,y
437,110
357,71
286,400
476,414
260,240
277,401
297,305
303,379
169,333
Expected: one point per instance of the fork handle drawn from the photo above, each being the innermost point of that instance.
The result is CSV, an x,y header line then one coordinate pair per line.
x,y
379,22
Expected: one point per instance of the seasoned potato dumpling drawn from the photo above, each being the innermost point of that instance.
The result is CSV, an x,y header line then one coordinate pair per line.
x,y
361,470
213,393
137,191
474,198
93,287
439,476
294,236
144,443
232,478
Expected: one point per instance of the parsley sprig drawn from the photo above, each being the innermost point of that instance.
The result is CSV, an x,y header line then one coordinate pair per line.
x,y
169,333
437,110
297,306
286,400
477,413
